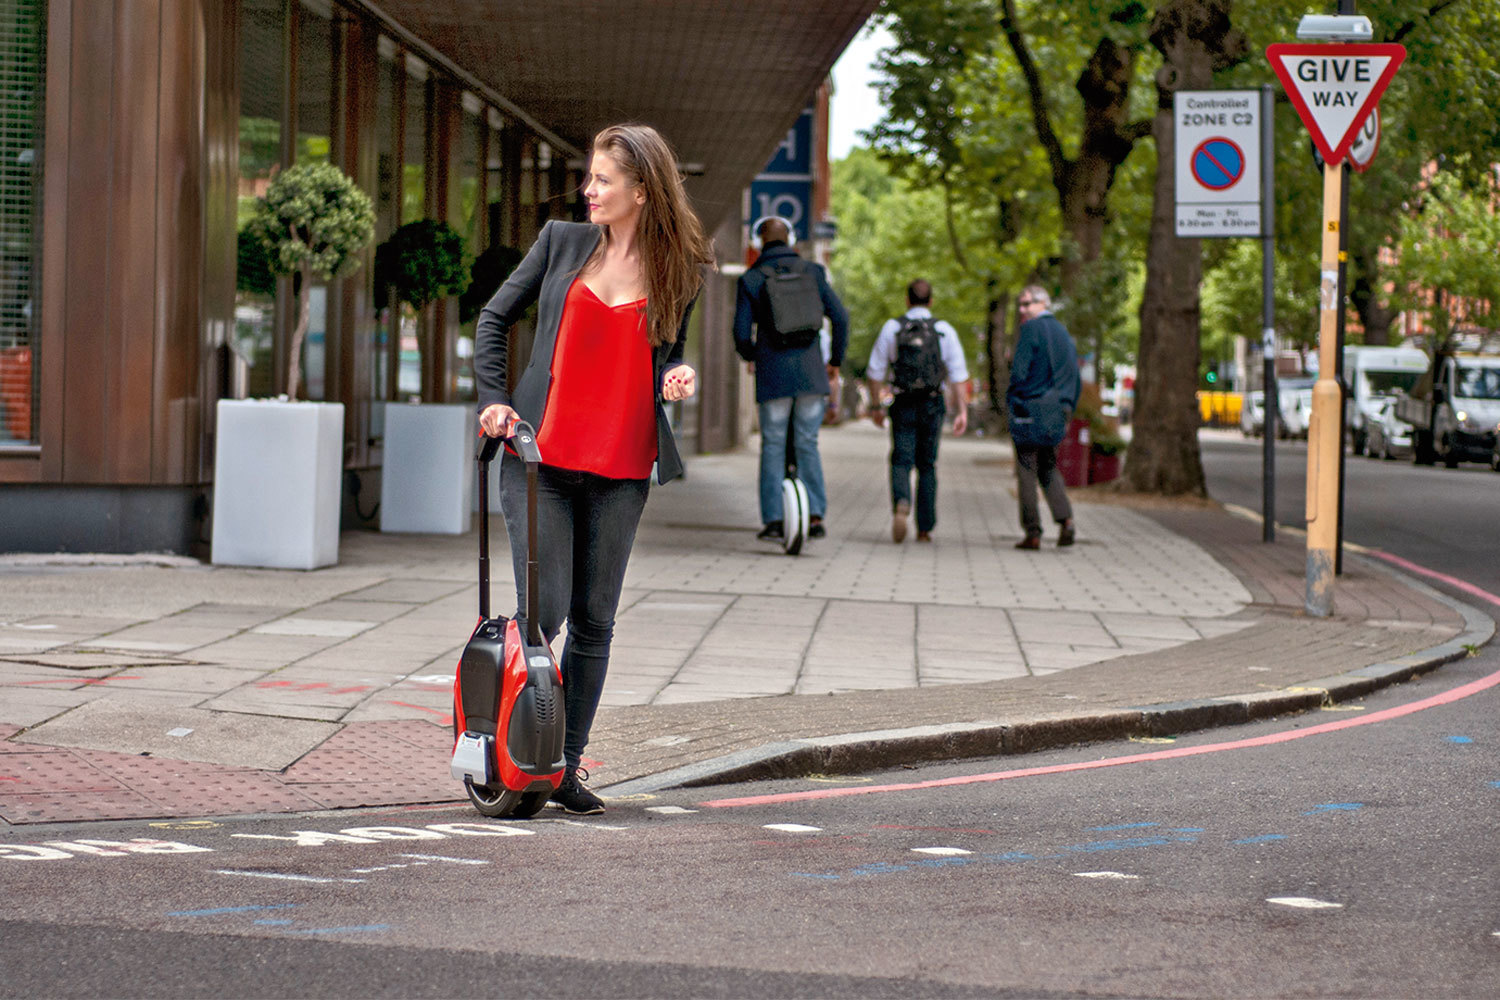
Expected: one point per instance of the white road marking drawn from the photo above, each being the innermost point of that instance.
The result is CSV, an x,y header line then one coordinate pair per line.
x,y
179,731
946,852
793,828
670,810
283,875
1119,875
440,857
586,826
1304,903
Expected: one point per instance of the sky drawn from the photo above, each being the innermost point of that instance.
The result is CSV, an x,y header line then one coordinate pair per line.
x,y
855,104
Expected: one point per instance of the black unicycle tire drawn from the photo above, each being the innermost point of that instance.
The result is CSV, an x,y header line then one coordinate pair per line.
x,y
494,802
531,803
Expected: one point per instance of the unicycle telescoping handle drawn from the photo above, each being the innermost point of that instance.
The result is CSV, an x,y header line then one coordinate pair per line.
x,y
523,439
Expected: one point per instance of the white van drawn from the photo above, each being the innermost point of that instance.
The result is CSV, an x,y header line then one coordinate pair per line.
x,y
1373,373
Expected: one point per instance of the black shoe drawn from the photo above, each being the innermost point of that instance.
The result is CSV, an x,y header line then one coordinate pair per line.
x,y
1065,535
574,798
771,532
815,528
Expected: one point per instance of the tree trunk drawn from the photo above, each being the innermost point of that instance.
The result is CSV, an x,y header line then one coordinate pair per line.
x,y
997,363
1194,37
1375,316
1083,193
304,317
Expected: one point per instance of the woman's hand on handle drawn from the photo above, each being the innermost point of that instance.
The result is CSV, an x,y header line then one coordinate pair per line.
x,y
497,420
679,383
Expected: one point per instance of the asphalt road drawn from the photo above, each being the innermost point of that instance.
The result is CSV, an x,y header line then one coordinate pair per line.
x,y
1444,519
1354,862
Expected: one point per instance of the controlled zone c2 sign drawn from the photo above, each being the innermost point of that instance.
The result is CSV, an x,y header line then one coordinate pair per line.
x,y
1217,135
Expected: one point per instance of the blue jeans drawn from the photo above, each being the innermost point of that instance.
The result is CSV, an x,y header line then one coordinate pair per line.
x,y
585,529
805,415
916,428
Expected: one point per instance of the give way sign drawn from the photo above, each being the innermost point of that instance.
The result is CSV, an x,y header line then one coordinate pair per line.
x,y
1335,87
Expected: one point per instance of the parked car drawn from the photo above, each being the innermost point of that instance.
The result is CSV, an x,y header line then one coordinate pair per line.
x,y
1253,413
1386,436
1294,401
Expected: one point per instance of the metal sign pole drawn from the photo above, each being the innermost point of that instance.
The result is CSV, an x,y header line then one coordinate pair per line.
x,y
1270,409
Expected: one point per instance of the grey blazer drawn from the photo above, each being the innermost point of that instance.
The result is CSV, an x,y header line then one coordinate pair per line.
x,y
559,253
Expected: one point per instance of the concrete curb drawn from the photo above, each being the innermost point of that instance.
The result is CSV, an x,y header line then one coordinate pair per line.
x,y
849,753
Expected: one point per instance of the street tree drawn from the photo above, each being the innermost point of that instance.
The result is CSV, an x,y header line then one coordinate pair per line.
x,y
1195,39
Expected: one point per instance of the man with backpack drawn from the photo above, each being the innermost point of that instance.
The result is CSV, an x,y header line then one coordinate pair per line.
x,y
918,356
778,322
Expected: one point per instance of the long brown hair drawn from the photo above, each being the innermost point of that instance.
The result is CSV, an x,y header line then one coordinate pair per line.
x,y
673,249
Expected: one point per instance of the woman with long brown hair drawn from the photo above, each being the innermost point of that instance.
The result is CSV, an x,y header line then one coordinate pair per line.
x,y
614,295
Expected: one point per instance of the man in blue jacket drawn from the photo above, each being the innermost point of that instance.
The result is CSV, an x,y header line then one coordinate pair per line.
x,y
1043,391
791,383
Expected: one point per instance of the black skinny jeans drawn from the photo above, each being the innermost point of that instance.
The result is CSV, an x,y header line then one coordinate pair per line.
x,y
585,530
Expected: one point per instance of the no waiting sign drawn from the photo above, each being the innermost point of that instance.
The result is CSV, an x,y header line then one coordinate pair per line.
x,y
1218,162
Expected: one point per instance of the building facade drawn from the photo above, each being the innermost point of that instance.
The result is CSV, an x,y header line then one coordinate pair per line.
x,y
137,134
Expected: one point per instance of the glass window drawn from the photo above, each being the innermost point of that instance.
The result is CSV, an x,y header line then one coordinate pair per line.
x,y
22,51
262,58
414,146
387,205
314,82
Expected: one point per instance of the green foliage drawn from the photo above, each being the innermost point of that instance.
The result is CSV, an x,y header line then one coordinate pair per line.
x,y
424,261
1449,245
891,232
253,271
314,222
314,216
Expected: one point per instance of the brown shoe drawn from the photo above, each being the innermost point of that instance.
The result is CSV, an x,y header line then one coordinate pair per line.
x,y
1030,542
1065,535
924,536
898,521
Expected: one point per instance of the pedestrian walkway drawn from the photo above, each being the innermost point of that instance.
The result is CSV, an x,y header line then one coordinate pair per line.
x,y
149,688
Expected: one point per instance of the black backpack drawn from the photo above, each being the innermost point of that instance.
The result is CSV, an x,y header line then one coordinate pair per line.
x,y
919,357
795,308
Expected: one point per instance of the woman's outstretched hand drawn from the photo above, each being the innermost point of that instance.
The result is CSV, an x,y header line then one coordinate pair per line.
x,y
497,419
679,383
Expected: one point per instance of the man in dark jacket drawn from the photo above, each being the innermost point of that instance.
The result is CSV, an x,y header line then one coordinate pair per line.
x,y
1043,391
792,383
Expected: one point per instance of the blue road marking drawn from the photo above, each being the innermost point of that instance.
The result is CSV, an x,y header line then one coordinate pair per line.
x,y
230,909
342,930
1334,807
273,923
833,878
1265,838
1122,826
1459,739
1126,844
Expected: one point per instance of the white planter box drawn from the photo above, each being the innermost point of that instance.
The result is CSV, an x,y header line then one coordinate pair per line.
x,y
276,483
428,474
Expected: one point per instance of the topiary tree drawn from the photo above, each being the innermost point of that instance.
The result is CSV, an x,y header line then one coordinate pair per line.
x,y
424,260
313,221
488,273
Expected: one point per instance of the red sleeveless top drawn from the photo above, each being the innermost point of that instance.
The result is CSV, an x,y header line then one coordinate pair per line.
x,y
601,410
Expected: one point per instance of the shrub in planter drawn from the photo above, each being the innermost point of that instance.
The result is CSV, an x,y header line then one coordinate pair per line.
x,y
313,223
488,273
423,261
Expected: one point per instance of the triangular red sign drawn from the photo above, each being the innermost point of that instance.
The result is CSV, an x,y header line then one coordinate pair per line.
x,y
1335,87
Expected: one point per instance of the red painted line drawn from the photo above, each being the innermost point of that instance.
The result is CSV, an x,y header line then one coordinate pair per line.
x,y
1455,583
1447,697
443,719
